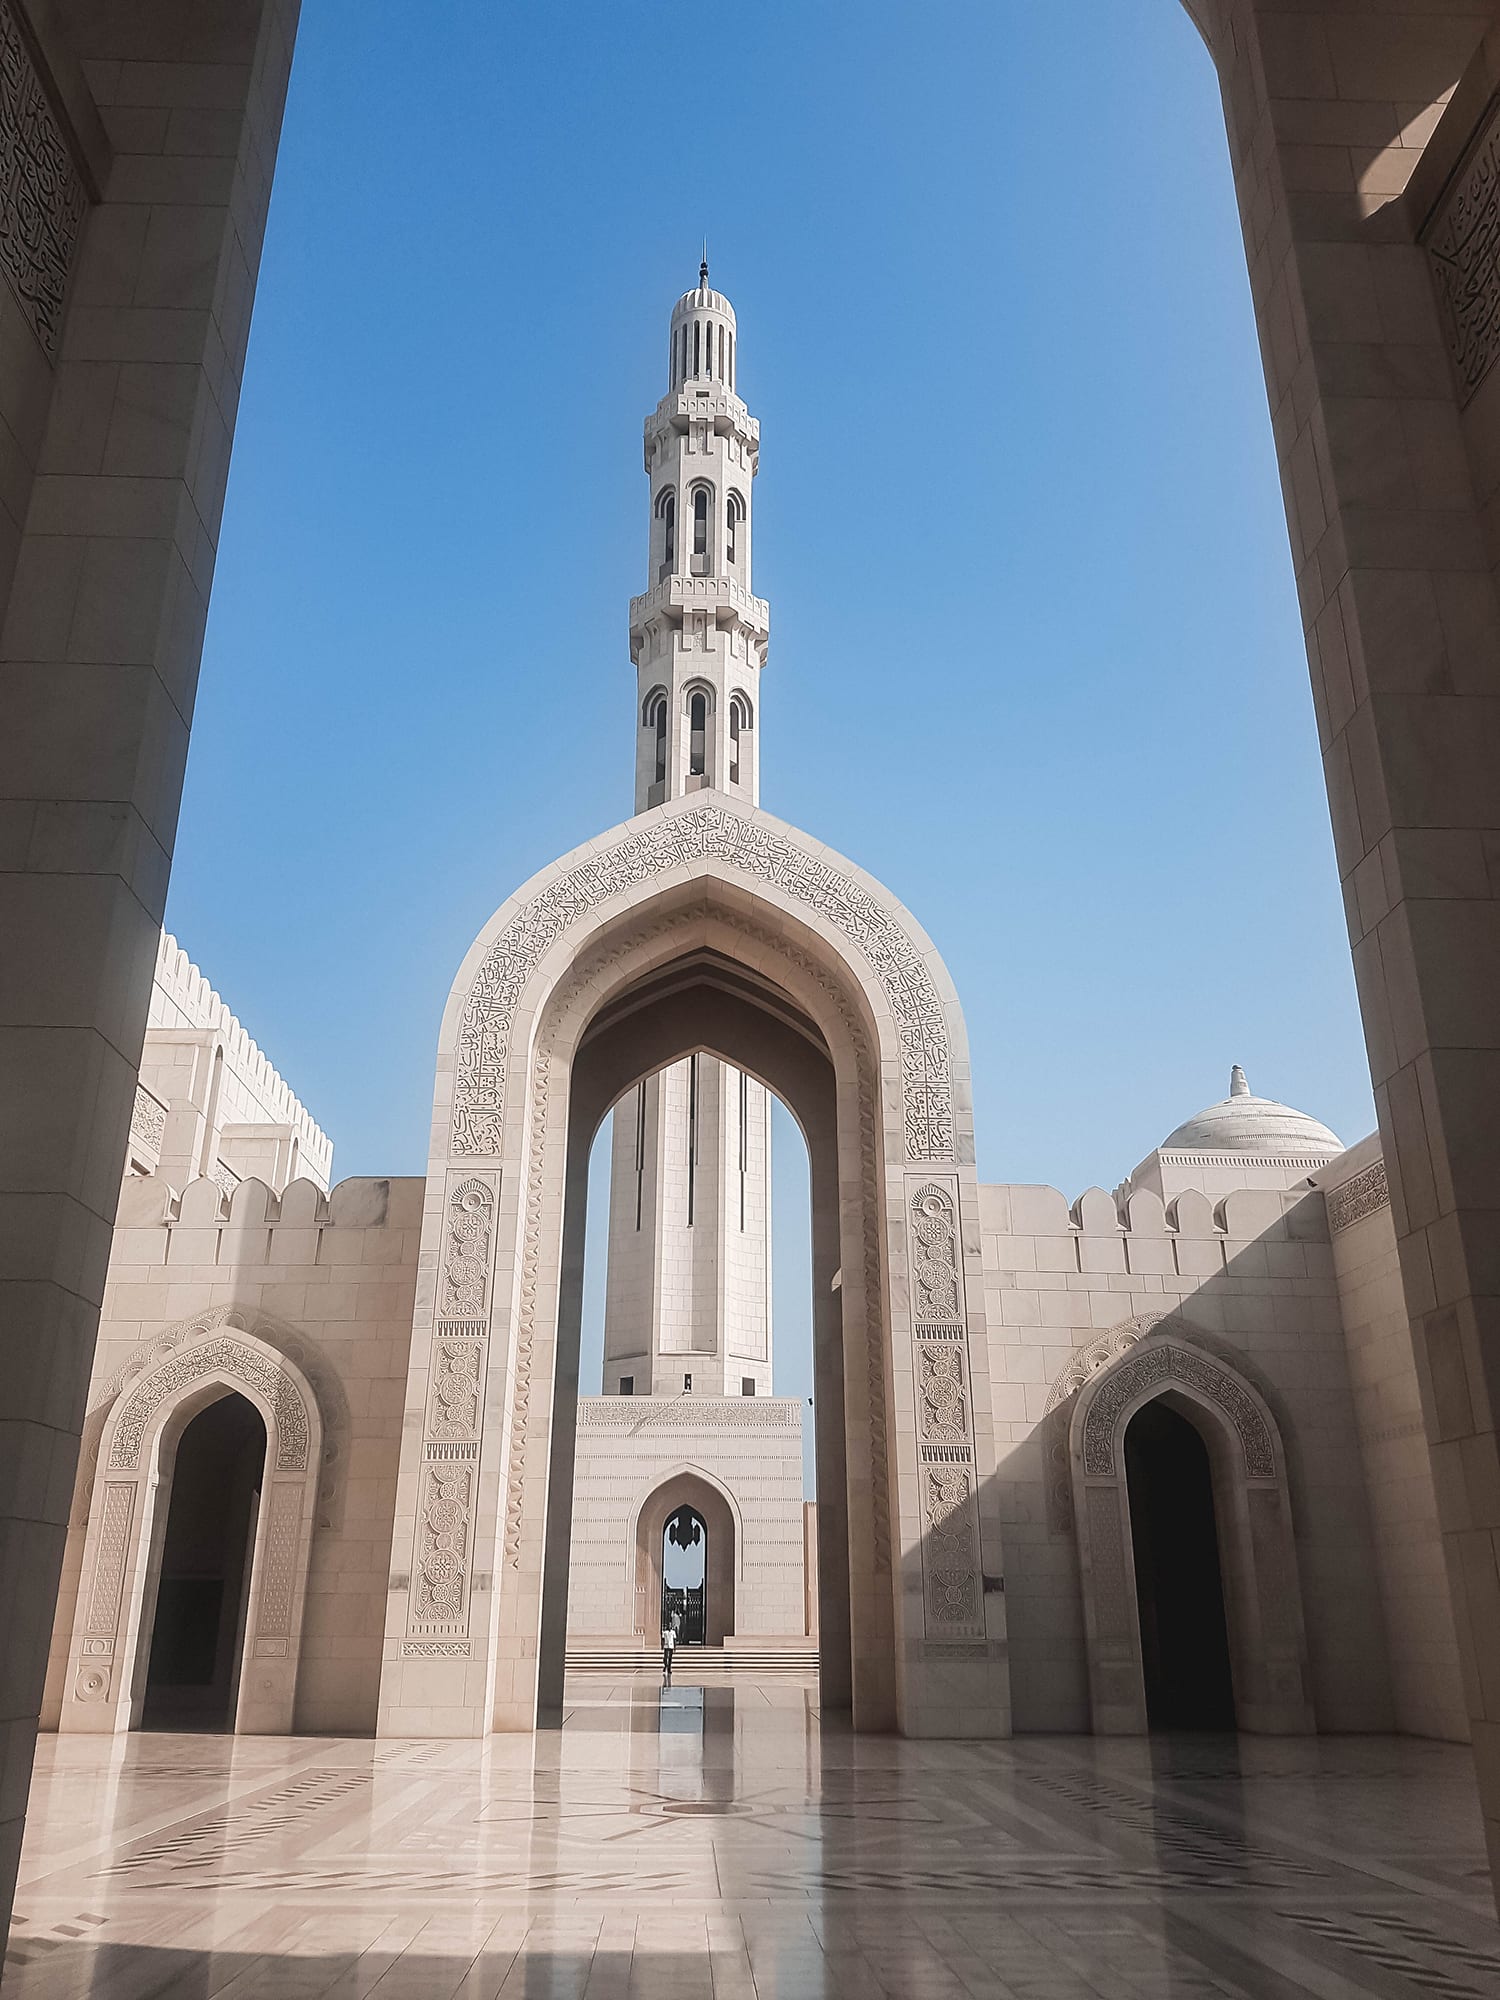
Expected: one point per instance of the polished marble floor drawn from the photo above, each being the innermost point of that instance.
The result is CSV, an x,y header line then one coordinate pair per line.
x,y
717,1844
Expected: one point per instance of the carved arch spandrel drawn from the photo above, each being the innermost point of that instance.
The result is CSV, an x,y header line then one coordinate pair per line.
x,y
1258,1558
111,1635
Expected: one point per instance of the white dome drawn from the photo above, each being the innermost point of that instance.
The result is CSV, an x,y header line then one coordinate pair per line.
x,y
1244,1123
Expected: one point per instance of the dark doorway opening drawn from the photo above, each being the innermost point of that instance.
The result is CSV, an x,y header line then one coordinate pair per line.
x,y
1179,1585
684,1575
197,1636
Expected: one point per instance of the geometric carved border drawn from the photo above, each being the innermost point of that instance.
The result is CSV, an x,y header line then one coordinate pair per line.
x,y
1159,1365
223,1356
707,832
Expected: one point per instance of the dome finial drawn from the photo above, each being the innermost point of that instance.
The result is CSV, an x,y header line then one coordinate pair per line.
x,y
703,268
1237,1084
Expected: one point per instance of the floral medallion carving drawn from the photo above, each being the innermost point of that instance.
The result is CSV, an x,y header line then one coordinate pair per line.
x,y
443,1542
943,1404
454,1411
752,848
148,1119
466,1265
937,1285
949,1565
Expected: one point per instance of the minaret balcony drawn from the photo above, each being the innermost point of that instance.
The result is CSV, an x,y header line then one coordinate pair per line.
x,y
690,405
731,604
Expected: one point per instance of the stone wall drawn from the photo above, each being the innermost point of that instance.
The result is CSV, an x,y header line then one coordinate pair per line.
x,y
1426,1686
748,1447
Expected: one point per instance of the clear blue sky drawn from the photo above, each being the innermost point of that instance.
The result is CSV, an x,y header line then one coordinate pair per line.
x,y
1035,654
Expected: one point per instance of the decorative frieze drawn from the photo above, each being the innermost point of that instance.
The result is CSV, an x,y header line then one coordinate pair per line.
x,y
945,1434
466,1258
942,1394
148,1119
42,198
1462,239
1159,1365
1366,1194
236,1362
752,848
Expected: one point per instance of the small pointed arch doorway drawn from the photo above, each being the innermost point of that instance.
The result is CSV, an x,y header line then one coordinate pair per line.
x,y
670,1561
196,1648
1188,1566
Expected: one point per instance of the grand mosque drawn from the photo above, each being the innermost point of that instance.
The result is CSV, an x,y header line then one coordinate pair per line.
x,y
1151,1456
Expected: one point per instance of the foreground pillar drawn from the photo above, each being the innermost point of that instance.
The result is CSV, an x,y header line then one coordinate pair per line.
x,y
1377,301
141,139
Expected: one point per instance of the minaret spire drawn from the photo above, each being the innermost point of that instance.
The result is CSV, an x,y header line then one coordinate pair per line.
x,y
698,634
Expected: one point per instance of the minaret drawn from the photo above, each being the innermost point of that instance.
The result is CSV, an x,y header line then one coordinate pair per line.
x,y
687,1303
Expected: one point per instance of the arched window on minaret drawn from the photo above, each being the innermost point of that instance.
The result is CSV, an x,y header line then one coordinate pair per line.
x,y
666,513
721,354
701,498
697,347
736,516
739,723
654,718
698,733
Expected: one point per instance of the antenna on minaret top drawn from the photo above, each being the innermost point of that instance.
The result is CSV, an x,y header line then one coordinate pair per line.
x,y
703,267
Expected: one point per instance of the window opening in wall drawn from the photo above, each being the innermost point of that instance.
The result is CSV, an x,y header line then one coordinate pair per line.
x,y
721,354
698,736
692,1135
744,1140
666,513
640,1135
732,538
697,347
700,521
687,1385
202,1595
731,360
627,1385
747,1385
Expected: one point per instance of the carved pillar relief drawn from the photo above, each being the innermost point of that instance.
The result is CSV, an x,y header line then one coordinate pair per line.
x,y
953,1594
42,198
437,1609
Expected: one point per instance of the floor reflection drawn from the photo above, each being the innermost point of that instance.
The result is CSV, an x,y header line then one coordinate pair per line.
x,y
718,1841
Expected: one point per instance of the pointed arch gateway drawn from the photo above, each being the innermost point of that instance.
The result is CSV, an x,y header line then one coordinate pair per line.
x,y
1251,1502
708,926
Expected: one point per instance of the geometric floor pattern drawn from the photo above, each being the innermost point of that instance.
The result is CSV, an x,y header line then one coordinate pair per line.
x,y
719,1844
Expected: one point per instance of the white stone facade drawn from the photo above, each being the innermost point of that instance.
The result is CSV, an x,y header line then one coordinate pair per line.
x,y
440,1516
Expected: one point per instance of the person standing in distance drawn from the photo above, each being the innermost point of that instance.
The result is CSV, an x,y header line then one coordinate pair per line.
x,y
668,1647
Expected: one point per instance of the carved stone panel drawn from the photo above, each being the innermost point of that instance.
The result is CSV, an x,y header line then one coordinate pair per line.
x,y
466,1251
283,1540
942,1393
117,1510
443,1536
234,1361
42,198
1462,239
1366,1194
951,1556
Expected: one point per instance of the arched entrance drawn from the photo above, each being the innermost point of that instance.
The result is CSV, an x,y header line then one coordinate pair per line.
x,y
198,1631
1179,1587
1145,1572
675,1505
130,1548
713,927
684,1575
